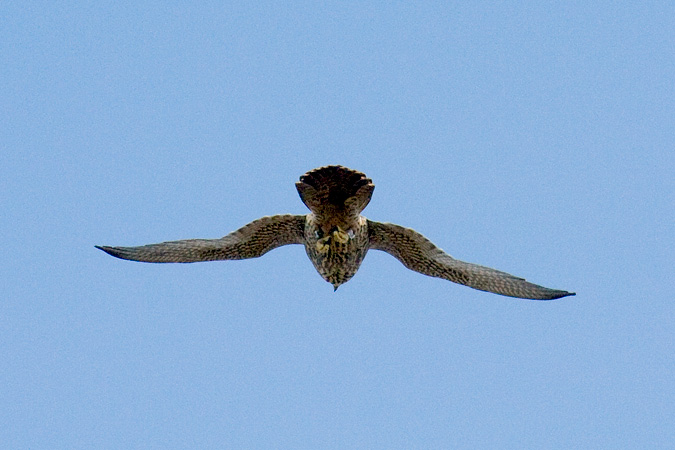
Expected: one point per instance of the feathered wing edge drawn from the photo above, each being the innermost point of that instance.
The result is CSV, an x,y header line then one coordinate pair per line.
x,y
250,241
419,254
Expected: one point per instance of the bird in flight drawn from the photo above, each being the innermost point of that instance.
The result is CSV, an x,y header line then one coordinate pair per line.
x,y
336,238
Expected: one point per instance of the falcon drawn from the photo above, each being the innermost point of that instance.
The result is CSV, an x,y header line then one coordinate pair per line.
x,y
336,238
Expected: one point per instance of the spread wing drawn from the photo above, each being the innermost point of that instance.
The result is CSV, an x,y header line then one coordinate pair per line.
x,y
250,241
419,254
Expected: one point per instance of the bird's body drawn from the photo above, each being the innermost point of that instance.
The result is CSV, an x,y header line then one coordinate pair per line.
x,y
336,238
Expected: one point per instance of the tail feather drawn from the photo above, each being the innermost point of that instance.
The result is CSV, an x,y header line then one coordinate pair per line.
x,y
335,188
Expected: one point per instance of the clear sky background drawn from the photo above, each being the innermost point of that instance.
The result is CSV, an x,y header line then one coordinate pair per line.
x,y
533,137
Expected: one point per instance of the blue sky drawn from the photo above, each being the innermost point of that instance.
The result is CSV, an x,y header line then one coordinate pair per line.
x,y
536,138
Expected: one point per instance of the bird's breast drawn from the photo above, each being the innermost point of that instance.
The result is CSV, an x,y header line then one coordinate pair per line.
x,y
336,251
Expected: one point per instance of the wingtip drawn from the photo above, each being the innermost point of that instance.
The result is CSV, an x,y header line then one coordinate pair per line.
x,y
563,294
109,250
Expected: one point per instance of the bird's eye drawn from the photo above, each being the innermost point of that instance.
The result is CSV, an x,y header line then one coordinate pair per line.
x,y
318,233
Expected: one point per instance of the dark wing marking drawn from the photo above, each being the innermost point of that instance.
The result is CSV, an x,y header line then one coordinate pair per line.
x,y
419,254
250,241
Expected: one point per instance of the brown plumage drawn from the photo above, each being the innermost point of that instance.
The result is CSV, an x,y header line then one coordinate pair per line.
x,y
336,238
